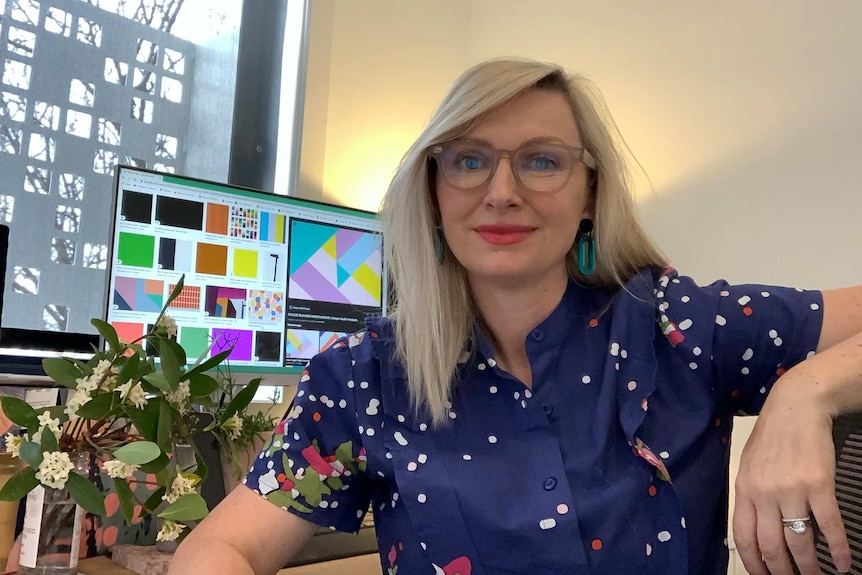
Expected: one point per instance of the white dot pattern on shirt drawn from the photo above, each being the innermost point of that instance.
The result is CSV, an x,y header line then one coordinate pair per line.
x,y
548,523
664,536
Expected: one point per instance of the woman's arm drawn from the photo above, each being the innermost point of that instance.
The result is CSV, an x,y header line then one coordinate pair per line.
x,y
243,535
788,464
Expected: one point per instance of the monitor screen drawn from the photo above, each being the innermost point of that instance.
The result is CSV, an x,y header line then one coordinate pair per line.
x,y
275,278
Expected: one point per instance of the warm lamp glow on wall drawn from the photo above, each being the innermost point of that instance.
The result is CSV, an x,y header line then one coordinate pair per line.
x,y
364,168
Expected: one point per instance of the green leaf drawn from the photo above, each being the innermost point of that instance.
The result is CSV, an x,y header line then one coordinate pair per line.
x,y
86,494
201,384
154,500
138,452
176,291
178,351
158,380
127,499
129,369
49,441
108,332
210,363
31,453
145,420
98,407
169,362
163,434
19,485
156,465
189,507
63,371
20,412
241,400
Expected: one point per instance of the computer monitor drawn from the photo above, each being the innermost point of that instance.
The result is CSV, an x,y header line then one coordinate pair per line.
x,y
278,278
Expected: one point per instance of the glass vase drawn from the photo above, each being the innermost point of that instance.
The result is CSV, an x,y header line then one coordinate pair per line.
x,y
50,542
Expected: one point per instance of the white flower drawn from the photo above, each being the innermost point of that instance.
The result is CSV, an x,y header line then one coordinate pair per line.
x,y
52,423
54,469
169,531
13,444
133,394
119,470
233,426
75,402
168,324
181,485
179,397
87,384
103,367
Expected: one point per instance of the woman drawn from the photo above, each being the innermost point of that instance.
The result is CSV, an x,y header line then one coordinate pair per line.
x,y
549,397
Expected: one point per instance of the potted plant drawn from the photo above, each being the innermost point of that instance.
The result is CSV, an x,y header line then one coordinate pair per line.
x,y
129,410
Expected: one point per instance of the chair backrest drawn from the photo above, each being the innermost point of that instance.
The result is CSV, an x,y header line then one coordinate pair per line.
x,y
847,434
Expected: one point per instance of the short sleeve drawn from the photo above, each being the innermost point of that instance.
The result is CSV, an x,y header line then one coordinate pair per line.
x,y
314,463
747,336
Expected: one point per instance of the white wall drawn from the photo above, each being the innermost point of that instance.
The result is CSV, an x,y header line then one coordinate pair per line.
x,y
745,115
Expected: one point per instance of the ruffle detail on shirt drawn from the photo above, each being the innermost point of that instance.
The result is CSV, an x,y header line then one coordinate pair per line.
x,y
634,331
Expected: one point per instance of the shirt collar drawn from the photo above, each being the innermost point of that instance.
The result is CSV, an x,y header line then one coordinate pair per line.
x,y
577,306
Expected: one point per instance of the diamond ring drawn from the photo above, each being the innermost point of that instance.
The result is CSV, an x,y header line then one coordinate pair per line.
x,y
798,525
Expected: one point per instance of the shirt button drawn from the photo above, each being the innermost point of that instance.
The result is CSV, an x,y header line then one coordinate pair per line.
x,y
550,483
537,335
547,408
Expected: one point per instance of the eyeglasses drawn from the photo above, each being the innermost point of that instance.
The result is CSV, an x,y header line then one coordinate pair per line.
x,y
538,167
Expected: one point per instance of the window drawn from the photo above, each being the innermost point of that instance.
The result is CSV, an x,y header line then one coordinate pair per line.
x,y
85,85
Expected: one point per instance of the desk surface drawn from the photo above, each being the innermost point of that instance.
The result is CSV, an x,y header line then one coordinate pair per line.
x,y
360,565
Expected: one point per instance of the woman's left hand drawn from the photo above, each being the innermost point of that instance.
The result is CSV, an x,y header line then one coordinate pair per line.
x,y
787,471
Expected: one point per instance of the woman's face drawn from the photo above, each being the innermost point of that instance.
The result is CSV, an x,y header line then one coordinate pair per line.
x,y
506,234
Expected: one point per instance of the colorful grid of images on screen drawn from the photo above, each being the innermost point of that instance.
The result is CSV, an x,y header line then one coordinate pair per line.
x,y
237,265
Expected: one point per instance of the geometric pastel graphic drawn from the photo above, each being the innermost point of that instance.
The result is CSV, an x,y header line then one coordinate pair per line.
x,y
189,298
225,302
272,227
245,263
327,338
301,343
138,294
336,265
240,339
266,307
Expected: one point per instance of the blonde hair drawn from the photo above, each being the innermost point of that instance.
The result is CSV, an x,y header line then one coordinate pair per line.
x,y
433,313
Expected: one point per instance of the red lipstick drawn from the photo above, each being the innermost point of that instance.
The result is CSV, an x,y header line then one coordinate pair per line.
x,y
504,234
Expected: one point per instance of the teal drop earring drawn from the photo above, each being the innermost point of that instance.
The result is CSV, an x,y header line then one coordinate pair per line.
x,y
586,247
